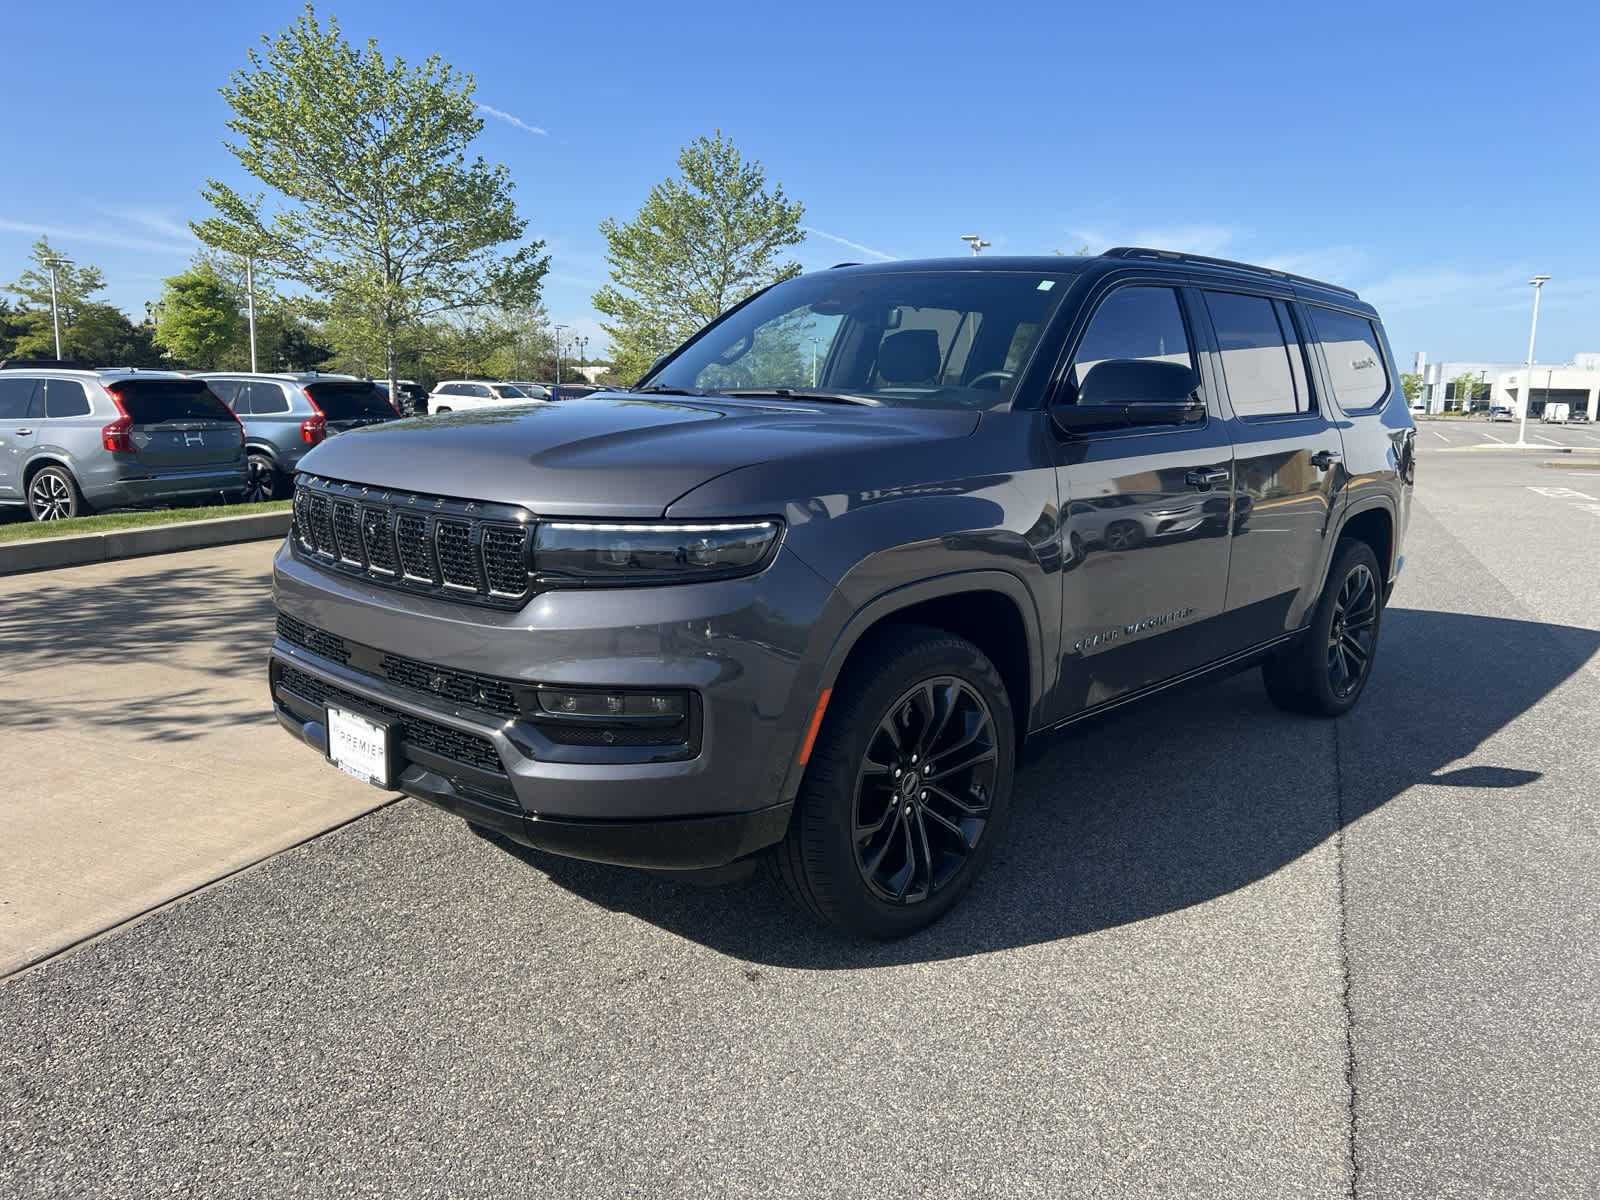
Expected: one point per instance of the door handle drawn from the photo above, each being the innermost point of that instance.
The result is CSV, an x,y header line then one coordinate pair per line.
x,y
1323,459
23,432
1206,478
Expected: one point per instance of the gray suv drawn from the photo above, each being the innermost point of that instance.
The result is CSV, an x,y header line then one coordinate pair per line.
x,y
74,440
804,593
285,415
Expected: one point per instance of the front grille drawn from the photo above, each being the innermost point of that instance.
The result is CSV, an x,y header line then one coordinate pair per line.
x,y
428,736
309,637
467,550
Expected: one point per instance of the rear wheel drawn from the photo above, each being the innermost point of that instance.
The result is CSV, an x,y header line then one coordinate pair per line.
x,y
907,789
263,481
1325,672
53,495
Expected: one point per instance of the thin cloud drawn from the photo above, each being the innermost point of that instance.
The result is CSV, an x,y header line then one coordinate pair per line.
x,y
509,119
153,220
104,237
834,237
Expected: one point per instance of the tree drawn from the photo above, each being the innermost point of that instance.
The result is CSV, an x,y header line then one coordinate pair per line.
x,y
197,321
74,287
382,216
698,245
1412,386
1465,385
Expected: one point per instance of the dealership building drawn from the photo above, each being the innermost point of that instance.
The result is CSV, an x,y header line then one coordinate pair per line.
x,y
1453,386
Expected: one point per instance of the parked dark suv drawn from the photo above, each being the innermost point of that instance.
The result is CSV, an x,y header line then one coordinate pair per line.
x,y
804,591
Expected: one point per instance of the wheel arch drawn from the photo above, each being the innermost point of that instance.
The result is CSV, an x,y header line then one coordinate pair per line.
x,y
1374,524
35,465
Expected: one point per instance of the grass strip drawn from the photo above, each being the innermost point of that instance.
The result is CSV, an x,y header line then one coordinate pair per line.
x,y
25,530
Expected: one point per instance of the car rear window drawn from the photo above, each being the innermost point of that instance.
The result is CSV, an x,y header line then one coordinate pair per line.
x,y
154,401
347,401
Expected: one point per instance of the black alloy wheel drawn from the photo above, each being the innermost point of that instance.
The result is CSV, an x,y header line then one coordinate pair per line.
x,y
907,789
261,479
1324,672
922,794
53,495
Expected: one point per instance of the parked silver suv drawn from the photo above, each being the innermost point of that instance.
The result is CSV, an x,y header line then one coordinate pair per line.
x,y
286,415
74,440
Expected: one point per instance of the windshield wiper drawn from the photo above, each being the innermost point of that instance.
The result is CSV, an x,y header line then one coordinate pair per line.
x,y
663,389
785,393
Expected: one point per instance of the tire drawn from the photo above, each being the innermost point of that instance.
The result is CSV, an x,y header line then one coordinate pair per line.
x,y
1325,671
901,807
53,495
265,483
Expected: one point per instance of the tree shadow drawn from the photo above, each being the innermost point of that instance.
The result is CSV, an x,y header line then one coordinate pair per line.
x,y
197,616
1167,804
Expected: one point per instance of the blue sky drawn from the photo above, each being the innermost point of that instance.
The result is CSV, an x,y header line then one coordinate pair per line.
x,y
1433,156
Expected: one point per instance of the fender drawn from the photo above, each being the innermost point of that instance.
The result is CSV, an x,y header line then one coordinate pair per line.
x,y
886,604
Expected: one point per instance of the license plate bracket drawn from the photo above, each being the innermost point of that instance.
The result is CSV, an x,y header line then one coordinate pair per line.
x,y
364,746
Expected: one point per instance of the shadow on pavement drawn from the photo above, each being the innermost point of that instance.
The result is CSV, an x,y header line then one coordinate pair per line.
x,y
1167,804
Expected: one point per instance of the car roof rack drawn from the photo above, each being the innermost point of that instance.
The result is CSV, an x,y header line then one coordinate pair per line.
x,y
57,364
1204,260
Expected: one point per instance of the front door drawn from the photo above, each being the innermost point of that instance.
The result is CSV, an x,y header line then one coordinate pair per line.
x,y
1146,528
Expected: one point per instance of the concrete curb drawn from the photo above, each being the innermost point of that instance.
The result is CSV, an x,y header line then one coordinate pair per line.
x,y
45,554
1573,464
1530,448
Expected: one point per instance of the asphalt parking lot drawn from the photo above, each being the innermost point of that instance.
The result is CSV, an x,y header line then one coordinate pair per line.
x,y
1225,951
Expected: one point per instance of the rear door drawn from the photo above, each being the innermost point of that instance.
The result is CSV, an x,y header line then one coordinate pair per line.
x,y
178,423
350,404
18,430
1288,455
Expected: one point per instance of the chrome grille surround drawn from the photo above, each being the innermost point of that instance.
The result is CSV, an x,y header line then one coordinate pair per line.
x,y
464,550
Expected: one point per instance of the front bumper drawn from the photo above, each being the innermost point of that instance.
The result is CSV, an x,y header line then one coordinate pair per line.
x,y
737,645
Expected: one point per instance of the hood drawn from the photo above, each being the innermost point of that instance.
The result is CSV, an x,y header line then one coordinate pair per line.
x,y
610,455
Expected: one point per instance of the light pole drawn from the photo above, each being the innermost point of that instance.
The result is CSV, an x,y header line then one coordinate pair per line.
x,y
558,329
55,308
1538,282
1483,388
975,241
583,358
250,296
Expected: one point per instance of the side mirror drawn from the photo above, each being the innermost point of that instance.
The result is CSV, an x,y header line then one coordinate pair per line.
x,y
1124,392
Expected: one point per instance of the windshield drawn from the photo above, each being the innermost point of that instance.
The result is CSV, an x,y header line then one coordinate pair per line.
x,y
914,339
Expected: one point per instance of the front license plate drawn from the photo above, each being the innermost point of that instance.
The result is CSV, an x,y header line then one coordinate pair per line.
x,y
359,747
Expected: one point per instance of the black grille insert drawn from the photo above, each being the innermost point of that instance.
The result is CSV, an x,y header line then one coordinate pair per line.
x,y
428,736
471,551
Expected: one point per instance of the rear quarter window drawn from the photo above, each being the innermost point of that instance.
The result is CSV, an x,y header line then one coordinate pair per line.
x,y
1354,354
65,398
156,401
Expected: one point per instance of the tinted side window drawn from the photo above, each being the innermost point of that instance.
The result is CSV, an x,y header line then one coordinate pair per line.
x,y
267,398
65,398
1258,345
232,392
1354,356
478,389
14,397
1135,322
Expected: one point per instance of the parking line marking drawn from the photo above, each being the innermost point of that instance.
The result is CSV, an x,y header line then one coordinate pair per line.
x,y
1441,437
1492,438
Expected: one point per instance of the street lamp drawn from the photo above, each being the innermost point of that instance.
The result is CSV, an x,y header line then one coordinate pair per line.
x,y
975,241
1538,282
583,359
558,329
55,308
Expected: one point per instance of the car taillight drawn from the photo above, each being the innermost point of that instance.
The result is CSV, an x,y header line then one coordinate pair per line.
x,y
313,429
117,437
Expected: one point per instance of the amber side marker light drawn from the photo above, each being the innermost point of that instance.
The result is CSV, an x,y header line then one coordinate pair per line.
x,y
816,724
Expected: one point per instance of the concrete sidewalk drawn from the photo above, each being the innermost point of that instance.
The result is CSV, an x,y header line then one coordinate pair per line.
x,y
140,750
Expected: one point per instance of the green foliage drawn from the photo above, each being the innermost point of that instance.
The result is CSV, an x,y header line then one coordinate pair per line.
x,y
698,245
1465,387
35,337
381,215
1412,385
197,320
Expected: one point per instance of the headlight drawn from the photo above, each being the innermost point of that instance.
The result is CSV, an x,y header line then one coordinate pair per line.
x,y
592,552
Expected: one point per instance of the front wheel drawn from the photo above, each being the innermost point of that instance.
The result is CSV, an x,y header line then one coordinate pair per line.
x,y
908,787
1324,673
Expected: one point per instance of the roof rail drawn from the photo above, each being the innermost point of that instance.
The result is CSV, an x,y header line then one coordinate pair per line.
x,y
37,364
1203,260
836,266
